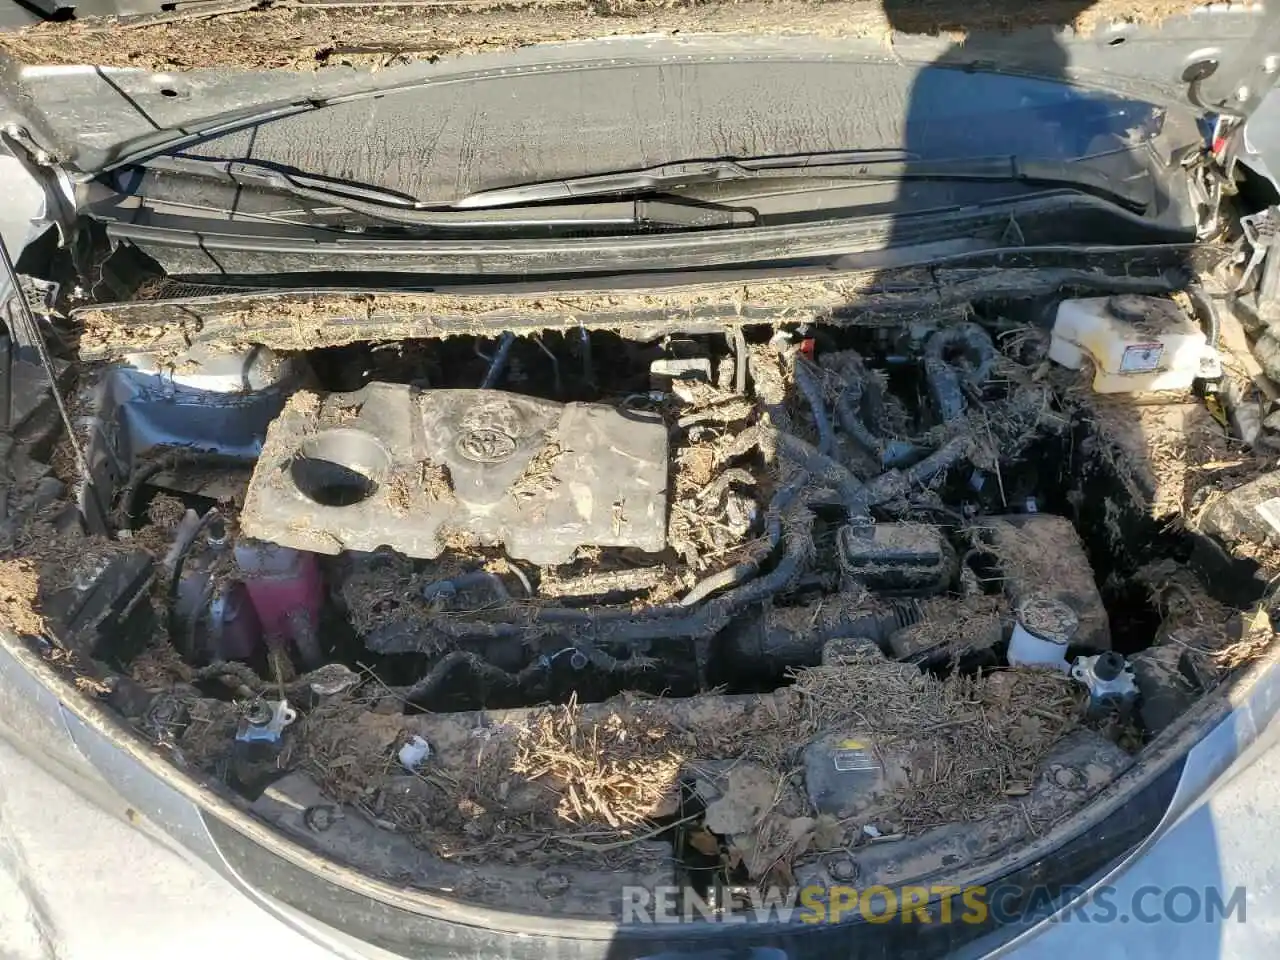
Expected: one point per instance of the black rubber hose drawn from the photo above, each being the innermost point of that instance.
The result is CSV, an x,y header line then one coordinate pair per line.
x,y
498,366
853,494
476,578
1206,310
947,379
181,634
177,554
496,676
741,572
167,461
811,390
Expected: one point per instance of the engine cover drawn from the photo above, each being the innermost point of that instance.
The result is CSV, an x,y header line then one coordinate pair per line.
x,y
395,466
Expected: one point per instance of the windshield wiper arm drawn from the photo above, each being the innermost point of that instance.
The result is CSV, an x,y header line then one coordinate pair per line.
x,y
829,166
624,210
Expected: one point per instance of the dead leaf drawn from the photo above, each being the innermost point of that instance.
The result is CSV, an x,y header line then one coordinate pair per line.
x,y
743,850
827,833
705,842
800,831
780,876
747,797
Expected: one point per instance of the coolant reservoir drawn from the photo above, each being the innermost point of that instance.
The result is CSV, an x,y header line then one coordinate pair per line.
x,y
1137,343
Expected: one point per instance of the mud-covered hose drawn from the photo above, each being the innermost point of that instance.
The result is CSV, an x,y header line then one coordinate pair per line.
x,y
429,685
492,675
825,470
623,622
1206,311
444,589
848,408
630,627
171,460
771,638
717,488
804,455
741,572
714,615
948,379
894,484
851,423
603,661
811,390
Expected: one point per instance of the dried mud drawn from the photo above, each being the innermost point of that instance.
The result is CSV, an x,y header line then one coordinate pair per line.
x,y
285,37
310,321
19,596
1165,452
565,782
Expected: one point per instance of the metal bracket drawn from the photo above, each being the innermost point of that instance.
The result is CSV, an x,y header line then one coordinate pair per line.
x,y
40,165
1260,232
1210,176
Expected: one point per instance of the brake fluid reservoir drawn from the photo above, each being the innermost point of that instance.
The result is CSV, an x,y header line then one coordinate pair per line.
x,y
1137,343
1043,629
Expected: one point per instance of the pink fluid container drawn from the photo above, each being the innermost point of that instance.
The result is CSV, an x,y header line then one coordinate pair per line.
x,y
287,590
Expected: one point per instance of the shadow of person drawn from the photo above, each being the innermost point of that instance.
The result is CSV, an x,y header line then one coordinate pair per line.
x,y
1014,81
1002,85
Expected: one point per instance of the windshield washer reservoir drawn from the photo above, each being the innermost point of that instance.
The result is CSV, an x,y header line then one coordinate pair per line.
x,y
1137,343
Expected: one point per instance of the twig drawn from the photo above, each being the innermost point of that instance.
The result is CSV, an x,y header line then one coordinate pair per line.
x,y
619,844
367,670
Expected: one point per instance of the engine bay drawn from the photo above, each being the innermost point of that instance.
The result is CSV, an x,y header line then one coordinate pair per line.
x,y
658,534
758,607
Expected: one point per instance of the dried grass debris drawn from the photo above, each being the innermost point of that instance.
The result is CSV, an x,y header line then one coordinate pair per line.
x,y
1258,637
159,666
286,37
595,778
166,511
538,478
616,772
1166,449
435,482
19,597
381,592
988,732
953,628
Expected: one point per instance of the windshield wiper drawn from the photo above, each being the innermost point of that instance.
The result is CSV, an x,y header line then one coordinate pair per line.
x,y
623,211
822,166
